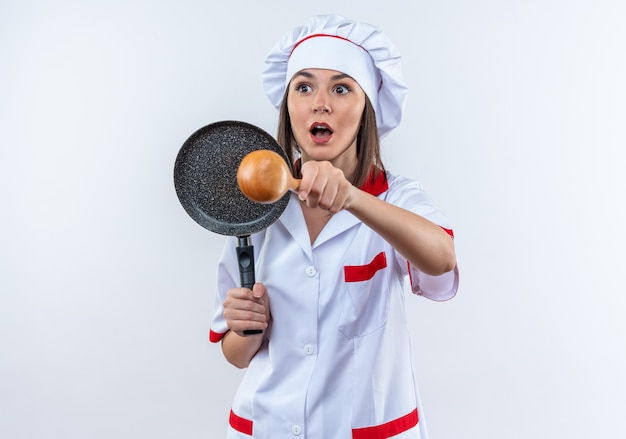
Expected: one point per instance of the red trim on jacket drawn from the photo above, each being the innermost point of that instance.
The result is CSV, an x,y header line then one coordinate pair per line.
x,y
214,337
387,430
376,183
382,431
408,267
240,424
448,231
360,273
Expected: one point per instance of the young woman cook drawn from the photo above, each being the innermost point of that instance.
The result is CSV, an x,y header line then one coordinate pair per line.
x,y
334,358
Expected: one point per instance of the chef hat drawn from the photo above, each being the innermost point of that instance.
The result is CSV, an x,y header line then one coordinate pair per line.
x,y
337,43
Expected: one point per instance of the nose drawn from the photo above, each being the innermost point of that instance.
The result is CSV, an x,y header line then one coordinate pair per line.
x,y
321,108
320,104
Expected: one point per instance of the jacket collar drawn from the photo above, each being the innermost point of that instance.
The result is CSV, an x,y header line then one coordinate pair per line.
x,y
293,220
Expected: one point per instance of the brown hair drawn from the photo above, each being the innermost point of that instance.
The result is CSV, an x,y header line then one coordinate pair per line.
x,y
367,143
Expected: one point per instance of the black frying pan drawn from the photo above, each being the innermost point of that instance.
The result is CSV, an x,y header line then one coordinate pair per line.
x,y
205,178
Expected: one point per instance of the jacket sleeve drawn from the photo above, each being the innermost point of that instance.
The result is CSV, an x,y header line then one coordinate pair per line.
x,y
410,195
227,278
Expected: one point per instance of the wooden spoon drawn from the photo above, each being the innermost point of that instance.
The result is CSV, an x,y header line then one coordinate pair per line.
x,y
264,177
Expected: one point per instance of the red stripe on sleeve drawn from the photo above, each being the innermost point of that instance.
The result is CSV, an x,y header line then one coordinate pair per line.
x,y
214,337
448,231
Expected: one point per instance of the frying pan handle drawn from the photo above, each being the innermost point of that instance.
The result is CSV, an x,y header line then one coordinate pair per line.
x,y
245,258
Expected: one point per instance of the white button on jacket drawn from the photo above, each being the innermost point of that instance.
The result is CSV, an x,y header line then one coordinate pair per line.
x,y
296,430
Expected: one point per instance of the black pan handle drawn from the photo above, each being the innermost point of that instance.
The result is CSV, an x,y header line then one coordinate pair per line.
x,y
245,258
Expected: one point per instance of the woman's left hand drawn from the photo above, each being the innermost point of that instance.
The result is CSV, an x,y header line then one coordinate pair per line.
x,y
324,186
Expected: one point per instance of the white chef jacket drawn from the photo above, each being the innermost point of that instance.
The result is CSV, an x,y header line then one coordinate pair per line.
x,y
336,359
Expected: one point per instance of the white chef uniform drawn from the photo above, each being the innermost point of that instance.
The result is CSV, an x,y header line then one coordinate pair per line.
x,y
336,360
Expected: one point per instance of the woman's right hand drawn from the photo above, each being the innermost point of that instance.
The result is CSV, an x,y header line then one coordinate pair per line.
x,y
246,309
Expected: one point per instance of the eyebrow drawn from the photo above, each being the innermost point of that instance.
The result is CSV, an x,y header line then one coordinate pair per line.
x,y
334,77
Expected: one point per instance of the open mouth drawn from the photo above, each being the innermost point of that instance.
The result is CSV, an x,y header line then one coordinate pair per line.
x,y
321,130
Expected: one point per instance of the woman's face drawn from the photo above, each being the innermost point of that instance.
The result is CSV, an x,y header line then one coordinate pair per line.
x,y
325,108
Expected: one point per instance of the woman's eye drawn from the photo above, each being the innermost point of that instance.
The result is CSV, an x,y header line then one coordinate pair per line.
x,y
342,89
303,88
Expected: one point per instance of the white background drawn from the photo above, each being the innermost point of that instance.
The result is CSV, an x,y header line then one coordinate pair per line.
x,y
516,125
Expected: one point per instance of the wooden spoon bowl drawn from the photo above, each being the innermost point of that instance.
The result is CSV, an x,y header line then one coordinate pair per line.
x,y
264,177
